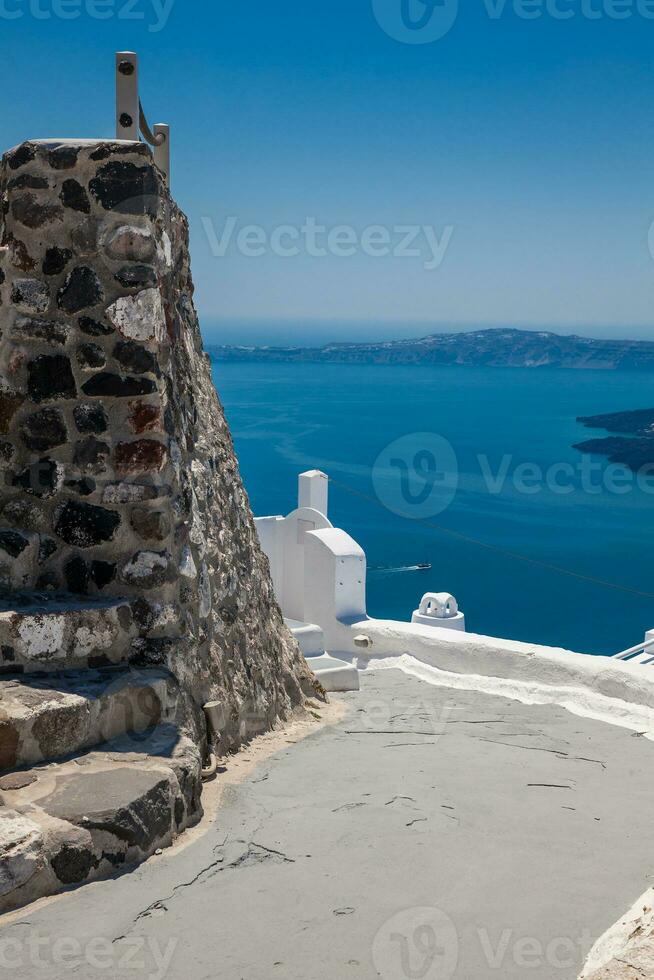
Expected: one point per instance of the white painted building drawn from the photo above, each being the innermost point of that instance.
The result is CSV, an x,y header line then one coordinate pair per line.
x,y
319,575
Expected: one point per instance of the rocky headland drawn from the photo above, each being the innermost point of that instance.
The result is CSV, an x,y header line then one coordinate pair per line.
x,y
633,441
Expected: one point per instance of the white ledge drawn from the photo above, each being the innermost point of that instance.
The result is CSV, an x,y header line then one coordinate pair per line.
x,y
509,660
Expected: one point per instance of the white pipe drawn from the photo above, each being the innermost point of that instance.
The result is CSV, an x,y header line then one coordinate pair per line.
x,y
640,648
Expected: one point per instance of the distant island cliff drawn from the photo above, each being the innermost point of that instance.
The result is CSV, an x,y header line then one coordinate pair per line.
x,y
633,443
481,348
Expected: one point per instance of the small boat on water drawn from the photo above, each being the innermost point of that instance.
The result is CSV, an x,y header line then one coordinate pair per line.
x,y
421,567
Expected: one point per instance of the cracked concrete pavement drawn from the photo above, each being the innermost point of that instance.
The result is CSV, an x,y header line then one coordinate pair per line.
x,y
430,833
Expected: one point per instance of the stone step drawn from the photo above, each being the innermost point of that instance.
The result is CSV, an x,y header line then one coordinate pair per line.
x,y
44,635
46,717
69,823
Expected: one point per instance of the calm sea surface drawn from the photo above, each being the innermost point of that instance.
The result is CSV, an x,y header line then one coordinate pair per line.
x,y
286,418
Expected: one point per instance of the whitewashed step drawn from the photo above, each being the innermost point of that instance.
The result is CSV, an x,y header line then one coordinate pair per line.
x,y
334,675
310,637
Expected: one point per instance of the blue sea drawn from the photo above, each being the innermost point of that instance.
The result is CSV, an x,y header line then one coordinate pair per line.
x,y
511,481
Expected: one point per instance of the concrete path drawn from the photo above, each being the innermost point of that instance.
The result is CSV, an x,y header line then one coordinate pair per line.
x,y
429,835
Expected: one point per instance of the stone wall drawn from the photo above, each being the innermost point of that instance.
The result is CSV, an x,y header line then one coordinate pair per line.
x,y
118,472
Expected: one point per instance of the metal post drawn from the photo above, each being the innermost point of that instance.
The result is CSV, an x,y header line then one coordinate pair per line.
x,y
127,95
162,149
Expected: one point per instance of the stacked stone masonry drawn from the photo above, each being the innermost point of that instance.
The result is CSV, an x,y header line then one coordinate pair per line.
x,y
121,502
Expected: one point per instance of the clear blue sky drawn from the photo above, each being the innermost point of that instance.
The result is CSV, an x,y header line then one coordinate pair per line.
x,y
533,140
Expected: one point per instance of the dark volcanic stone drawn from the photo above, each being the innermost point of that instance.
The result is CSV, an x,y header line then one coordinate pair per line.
x,y
33,328
125,188
81,289
90,356
93,327
21,155
77,575
7,451
143,613
63,157
48,582
27,182
73,865
135,358
50,377
150,524
44,430
47,548
84,486
74,196
136,276
13,543
132,804
85,525
90,418
91,454
56,260
102,573
25,514
31,294
151,651
105,384
111,149
141,456
42,479
29,212
10,402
